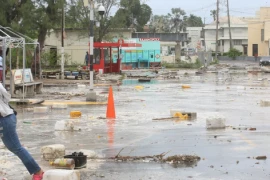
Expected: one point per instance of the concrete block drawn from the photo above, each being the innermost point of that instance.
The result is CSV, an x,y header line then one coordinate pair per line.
x,y
75,114
52,152
82,86
59,174
91,96
38,110
59,106
64,126
215,122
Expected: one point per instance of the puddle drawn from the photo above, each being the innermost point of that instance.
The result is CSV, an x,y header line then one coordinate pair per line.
x,y
136,82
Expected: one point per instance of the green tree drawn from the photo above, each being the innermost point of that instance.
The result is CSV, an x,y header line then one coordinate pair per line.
x,y
177,20
160,24
31,17
194,21
144,16
132,14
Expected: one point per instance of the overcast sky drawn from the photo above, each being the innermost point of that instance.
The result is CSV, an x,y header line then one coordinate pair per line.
x,y
202,7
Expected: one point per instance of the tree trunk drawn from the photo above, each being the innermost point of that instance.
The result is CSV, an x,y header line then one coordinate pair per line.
x,y
35,66
178,52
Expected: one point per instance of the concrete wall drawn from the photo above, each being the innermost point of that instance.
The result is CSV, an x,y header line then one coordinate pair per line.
x,y
247,58
168,59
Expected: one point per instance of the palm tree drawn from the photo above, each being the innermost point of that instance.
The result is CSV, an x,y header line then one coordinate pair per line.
x,y
213,14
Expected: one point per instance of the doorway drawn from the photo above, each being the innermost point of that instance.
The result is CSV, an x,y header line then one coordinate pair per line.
x,y
245,50
255,49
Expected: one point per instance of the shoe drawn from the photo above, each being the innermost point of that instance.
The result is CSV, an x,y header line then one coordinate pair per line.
x,y
38,176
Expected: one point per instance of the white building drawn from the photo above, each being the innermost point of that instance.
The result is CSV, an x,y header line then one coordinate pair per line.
x,y
194,35
239,31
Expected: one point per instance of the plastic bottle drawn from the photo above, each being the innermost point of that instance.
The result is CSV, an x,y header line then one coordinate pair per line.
x,y
63,163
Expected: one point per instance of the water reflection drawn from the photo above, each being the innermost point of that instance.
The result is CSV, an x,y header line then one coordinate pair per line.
x,y
110,131
136,82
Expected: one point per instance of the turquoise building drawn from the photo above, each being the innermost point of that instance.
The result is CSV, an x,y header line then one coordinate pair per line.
x,y
140,57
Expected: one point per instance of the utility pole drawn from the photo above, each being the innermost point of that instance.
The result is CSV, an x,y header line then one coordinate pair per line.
x,y
229,23
62,42
217,22
204,35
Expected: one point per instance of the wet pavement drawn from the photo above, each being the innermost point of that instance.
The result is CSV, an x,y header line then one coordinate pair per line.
x,y
225,154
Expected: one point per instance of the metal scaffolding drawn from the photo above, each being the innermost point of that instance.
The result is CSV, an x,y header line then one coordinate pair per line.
x,y
9,39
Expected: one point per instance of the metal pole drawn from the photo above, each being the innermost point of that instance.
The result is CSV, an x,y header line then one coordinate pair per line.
x,y
35,51
23,74
91,40
10,68
217,29
4,62
40,73
62,49
91,96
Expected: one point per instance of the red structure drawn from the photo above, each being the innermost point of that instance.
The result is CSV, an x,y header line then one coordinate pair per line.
x,y
103,56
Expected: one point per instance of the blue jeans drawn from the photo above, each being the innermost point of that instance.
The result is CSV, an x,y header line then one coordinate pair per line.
x,y
10,139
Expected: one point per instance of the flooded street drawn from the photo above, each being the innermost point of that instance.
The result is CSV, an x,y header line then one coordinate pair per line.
x,y
228,153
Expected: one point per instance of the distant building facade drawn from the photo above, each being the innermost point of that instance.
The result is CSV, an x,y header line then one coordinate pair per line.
x,y
259,33
76,43
239,31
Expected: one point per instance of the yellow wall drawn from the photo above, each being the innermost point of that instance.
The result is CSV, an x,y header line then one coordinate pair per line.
x,y
254,32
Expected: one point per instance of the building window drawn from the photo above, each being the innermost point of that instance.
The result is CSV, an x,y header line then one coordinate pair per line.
x,y
237,42
203,43
222,42
262,34
183,43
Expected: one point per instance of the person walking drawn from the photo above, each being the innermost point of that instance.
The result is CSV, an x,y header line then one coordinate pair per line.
x,y
86,59
9,136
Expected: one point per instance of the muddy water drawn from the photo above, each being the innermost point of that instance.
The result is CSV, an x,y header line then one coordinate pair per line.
x,y
224,152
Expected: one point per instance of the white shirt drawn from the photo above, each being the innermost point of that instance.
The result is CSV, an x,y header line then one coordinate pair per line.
x,y
5,110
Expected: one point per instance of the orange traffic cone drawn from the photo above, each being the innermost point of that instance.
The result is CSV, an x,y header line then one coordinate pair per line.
x,y
110,107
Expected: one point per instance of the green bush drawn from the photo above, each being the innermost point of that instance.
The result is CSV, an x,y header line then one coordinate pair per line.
x,y
225,54
233,53
215,61
184,65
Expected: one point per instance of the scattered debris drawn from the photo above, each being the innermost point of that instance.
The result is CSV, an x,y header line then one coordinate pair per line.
x,y
101,118
261,157
176,159
167,118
